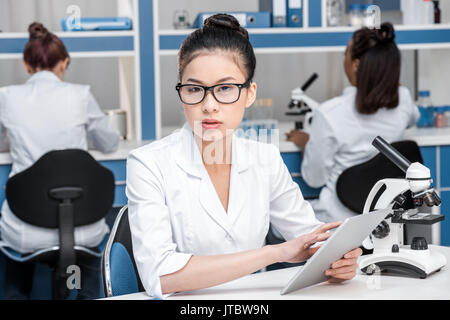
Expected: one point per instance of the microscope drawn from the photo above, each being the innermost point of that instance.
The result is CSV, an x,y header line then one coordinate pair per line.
x,y
408,198
304,104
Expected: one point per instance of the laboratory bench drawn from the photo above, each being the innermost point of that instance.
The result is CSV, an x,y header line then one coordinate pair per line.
x,y
267,286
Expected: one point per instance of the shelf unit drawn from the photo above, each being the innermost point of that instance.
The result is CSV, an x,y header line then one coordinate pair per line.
x,y
313,37
79,44
123,45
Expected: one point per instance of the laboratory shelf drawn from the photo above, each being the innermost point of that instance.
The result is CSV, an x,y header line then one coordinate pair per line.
x,y
79,44
279,40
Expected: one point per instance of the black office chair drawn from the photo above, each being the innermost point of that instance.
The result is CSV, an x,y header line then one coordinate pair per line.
x,y
64,189
120,275
354,184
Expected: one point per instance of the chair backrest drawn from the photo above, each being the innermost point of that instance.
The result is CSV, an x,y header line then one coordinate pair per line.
x,y
120,275
28,191
354,184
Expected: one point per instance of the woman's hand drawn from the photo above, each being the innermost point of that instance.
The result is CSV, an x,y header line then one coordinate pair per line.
x,y
299,249
300,138
345,268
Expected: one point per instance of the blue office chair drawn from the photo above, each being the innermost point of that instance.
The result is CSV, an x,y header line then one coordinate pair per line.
x,y
62,190
120,275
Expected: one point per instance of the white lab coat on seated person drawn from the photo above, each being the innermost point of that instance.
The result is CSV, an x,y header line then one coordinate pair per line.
x,y
341,137
41,115
175,212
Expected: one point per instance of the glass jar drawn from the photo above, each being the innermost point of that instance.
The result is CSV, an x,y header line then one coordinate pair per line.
x,y
356,18
426,110
447,115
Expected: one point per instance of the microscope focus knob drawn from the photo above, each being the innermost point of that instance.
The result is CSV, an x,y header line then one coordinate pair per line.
x,y
419,243
382,230
395,248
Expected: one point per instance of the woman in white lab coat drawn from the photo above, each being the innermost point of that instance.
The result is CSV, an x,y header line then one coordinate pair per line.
x,y
344,127
201,199
47,114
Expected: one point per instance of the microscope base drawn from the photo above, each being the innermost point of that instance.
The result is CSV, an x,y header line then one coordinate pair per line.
x,y
415,263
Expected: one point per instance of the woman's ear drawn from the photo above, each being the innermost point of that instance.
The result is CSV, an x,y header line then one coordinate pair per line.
x,y
355,65
28,69
251,94
65,63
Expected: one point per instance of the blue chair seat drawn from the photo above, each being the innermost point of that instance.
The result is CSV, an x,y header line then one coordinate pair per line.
x,y
119,272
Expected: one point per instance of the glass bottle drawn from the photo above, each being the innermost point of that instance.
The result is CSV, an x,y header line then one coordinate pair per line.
x,y
437,12
447,115
425,106
366,16
356,19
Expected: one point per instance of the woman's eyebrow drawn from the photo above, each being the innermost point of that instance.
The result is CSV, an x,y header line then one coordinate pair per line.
x,y
218,81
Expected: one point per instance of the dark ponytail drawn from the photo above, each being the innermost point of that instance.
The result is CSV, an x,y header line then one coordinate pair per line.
x,y
220,31
43,50
378,74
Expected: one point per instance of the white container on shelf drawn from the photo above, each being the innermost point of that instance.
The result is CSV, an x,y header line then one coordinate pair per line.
x,y
417,11
356,18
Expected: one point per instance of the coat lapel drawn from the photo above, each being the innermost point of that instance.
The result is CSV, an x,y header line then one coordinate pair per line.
x,y
190,160
238,195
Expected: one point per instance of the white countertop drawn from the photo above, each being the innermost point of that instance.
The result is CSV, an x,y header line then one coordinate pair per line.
x,y
267,286
423,136
429,136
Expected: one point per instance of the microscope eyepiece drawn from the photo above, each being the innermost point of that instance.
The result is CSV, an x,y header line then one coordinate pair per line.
x,y
391,153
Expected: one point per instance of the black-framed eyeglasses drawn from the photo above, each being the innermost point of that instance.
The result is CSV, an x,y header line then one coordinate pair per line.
x,y
226,93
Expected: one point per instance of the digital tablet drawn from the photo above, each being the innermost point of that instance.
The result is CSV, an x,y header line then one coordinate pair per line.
x,y
348,236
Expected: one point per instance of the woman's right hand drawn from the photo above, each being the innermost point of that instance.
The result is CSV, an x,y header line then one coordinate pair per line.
x,y
299,249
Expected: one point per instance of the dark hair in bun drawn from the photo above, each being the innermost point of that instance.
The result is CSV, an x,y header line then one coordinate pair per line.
x,y
220,31
379,66
43,50
37,31
386,33
225,21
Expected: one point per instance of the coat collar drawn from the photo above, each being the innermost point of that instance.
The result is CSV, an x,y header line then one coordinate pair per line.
x,y
188,155
44,75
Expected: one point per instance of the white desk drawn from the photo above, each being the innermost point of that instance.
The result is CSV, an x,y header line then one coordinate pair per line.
x,y
267,286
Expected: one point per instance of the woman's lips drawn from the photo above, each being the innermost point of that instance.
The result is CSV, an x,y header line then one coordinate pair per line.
x,y
211,124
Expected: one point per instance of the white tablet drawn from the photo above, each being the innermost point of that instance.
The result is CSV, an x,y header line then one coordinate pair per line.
x,y
348,236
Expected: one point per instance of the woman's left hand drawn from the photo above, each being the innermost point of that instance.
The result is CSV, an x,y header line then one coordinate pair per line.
x,y
345,268
300,138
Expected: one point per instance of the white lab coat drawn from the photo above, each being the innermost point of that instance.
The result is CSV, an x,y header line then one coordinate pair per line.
x,y
341,137
175,212
41,115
